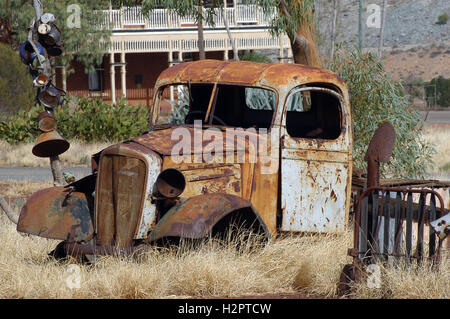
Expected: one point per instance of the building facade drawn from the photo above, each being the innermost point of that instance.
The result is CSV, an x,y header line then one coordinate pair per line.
x,y
142,47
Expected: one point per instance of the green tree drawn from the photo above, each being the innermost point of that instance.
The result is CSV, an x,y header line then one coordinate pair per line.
x,y
203,12
442,90
375,99
16,89
81,40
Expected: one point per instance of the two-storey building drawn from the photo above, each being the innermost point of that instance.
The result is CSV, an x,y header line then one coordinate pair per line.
x,y
142,47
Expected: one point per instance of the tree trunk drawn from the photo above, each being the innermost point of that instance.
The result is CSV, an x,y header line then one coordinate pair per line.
x,y
333,29
383,21
304,46
230,37
8,211
360,27
201,43
303,41
55,166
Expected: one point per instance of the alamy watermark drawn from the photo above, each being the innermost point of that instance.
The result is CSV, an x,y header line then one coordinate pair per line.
x,y
73,276
74,19
235,145
374,278
374,18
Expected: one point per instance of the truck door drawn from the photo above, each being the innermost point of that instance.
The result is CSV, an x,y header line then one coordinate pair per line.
x,y
315,161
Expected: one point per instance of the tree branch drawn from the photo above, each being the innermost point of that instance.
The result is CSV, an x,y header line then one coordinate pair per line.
x,y
8,211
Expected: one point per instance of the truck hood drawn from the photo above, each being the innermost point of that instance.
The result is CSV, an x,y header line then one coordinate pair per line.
x,y
196,140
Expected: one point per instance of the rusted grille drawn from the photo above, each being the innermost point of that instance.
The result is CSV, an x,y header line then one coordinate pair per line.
x,y
388,223
119,199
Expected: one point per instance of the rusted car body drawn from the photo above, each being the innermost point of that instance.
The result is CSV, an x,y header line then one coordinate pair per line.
x,y
284,165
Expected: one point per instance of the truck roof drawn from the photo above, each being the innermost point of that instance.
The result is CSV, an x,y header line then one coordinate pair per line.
x,y
276,76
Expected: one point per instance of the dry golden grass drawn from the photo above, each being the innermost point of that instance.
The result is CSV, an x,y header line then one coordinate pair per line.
x,y
417,282
79,154
211,270
439,136
289,265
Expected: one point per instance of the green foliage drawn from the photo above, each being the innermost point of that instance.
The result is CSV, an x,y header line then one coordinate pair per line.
x,y
80,43
84,119
255,57
288,15
186,8
22,127
443,18
180,108
442,90
377,98
16,85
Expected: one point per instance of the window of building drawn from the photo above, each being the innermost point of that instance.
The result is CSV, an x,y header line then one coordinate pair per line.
x,y
138,80
95,79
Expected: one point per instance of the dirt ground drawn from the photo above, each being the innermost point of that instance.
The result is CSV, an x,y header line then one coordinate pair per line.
x,y
424,63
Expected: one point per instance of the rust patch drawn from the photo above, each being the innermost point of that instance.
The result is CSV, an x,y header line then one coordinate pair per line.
x,y
333,195
195,217
57,213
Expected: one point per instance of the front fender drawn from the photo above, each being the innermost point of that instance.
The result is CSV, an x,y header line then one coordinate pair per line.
x,y
196,217
58,214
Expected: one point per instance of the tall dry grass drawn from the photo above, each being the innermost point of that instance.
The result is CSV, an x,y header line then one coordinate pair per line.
x,y
210,270
308,264
439,136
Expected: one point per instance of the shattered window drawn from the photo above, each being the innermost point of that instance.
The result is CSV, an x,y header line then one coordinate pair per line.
x,y
231,105
183,104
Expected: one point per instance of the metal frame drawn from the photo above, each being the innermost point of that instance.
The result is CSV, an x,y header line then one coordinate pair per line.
x,y
377,207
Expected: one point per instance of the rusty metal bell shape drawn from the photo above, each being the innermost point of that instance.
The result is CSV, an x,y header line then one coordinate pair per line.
x,y
50,144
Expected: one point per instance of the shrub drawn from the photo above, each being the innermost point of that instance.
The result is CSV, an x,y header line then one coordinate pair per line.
x,y
375,99
442,90
443,18
83,119
16,90
255,57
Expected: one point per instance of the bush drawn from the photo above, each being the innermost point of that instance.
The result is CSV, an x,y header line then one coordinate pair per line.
x,y
442,90
443,18
83,119
16,89
375,99
255,57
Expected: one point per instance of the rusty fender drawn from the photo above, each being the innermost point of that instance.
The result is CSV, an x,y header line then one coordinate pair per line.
x,y
196,217
58,213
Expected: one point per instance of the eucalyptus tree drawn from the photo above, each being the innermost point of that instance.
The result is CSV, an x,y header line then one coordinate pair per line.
x,y
202,11
294,18
81,25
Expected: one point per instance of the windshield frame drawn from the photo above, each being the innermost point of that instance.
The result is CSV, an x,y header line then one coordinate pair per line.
x,y
154,111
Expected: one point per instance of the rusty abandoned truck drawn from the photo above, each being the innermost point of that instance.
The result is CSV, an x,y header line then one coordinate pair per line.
x,y
270,144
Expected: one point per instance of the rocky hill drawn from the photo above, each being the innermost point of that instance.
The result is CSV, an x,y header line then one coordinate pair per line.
x,y
415,44
408,22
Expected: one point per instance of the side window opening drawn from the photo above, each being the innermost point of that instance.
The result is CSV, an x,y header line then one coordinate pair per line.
x,y
313,114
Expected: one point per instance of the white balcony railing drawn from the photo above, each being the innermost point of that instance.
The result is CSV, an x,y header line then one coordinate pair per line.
x,y
129,17
191,45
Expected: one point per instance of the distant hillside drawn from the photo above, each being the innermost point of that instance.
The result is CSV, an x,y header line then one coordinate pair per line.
x,y
408,22
415,44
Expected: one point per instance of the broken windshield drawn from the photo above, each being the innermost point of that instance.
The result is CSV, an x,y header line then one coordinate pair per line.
x,y
223,105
